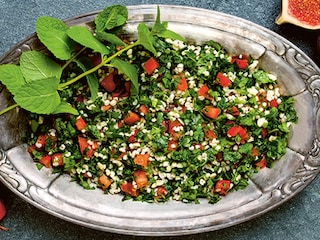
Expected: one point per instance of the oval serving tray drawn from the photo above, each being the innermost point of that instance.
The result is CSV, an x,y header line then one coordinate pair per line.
x,y
298,76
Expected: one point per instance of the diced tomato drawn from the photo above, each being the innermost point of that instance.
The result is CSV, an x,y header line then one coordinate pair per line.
x,y
142,159
80,123
80,98
262,163
131,118
131,138
126,92
57,159
32,149
140,177
150,65
222,80
46,161
120,123
255,152
105,108
233,131
41,142
172,127
95,60
264,132
222,187
104,182
238,130
182,84
211,111
242,63
273,103
244,135
122,155
165,125
235,111
209,133
203,91
161,192
108,82
172,145
128,188
87,149
143,109
219,156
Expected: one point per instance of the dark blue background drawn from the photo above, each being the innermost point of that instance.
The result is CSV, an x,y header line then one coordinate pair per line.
x,y
299,218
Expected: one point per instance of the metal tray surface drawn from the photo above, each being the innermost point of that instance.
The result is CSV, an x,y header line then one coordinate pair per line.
x,y
298,76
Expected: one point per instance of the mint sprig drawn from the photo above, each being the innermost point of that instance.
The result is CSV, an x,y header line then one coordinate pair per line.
x,y
36,82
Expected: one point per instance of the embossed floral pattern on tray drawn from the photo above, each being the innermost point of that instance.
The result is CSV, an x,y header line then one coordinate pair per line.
x,y
298,77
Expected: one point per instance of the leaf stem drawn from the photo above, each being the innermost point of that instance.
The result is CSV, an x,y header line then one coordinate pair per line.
x,y
8,109
103,63
73,57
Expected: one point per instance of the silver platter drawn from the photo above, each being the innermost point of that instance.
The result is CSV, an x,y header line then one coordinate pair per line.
x,y
298,76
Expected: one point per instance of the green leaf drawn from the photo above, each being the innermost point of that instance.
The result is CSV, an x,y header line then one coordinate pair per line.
x,y
111,38
111,17
93,81
130,71
35,65
52,33
11,77
145,38
161,29
40,96
65,107
262,77
83,36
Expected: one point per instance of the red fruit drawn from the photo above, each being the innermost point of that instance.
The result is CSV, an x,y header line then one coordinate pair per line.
x,y
222,80
131,118
46,161
3,211
172,129
211,112
262,163
303,13
238,130
222,186
128,188
273,103
161,191
132,137
57,160
209,134
108,82
143,109
172,145
150,65
142,159
182,84
80,123
87,149
140,177
95,60
203,91
104,182
41,142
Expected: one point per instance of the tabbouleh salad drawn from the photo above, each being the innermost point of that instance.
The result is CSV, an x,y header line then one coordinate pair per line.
x,y
203,122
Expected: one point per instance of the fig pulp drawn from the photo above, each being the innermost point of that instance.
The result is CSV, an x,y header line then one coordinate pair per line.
x,y
303,13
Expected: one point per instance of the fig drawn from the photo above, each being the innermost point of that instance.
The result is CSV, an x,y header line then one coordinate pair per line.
x,y
3,212
302,13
